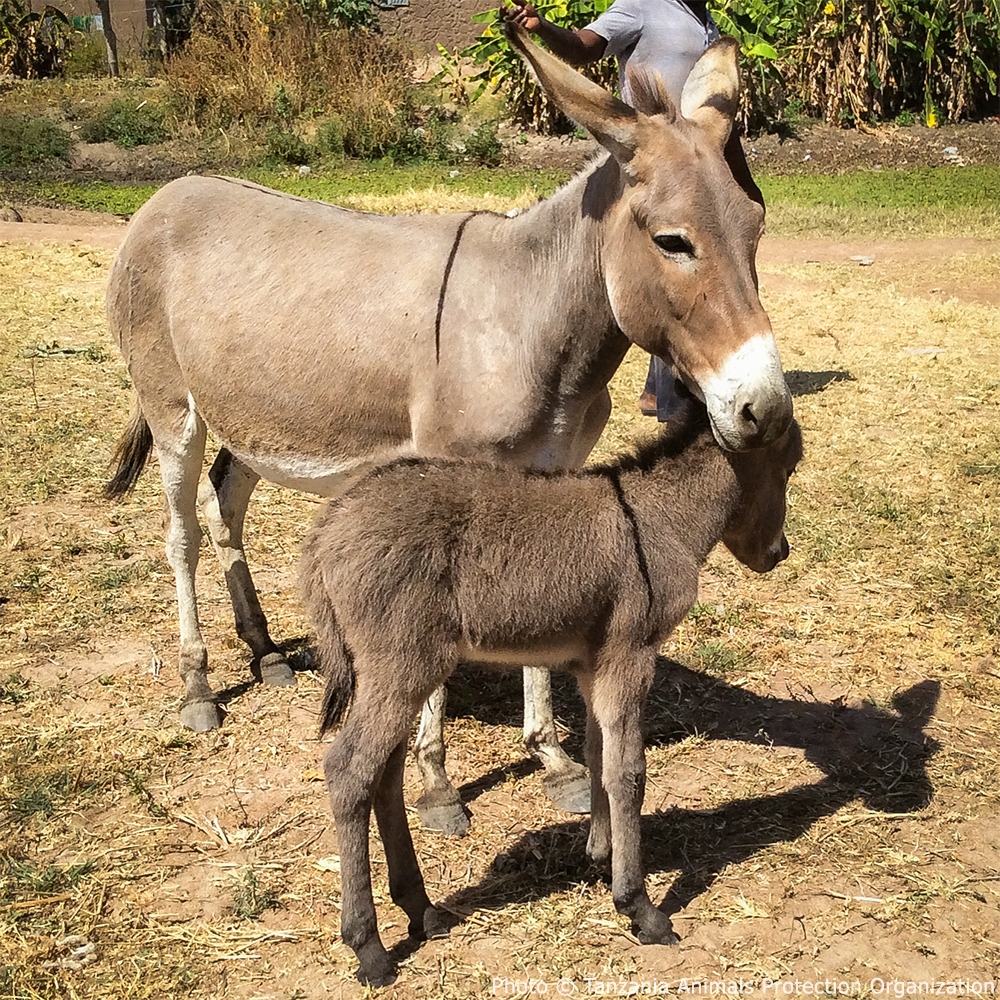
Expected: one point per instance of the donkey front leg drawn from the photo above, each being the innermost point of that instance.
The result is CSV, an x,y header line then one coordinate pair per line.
x,y
440,807
180,467
565,782
224,498
599,838
617,702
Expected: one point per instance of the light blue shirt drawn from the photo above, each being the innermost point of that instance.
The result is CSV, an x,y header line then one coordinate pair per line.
x,y
664,36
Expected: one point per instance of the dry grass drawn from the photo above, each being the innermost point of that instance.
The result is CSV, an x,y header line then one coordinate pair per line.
x,y
822,742
248,65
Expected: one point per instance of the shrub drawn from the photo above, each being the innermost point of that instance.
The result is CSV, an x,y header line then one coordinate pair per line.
x,y
128,125
87,57
25,141
287,146
483,145
341,13
329,140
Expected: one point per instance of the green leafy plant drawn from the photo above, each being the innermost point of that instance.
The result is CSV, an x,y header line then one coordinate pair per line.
x,y
450,76
32,42
504,70
86,56
127,124
287,146
250,897
763,28
26,141
352,14
14,689
484,145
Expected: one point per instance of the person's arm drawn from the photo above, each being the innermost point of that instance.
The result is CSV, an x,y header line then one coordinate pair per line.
x,y
578,47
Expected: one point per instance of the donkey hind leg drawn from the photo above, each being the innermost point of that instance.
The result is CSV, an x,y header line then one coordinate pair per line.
x,y
180,467
440,807
565,782
354,767
618,709
224,498
406,884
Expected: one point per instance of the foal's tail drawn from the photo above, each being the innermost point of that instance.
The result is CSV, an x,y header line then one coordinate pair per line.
x,y
131,454
335,659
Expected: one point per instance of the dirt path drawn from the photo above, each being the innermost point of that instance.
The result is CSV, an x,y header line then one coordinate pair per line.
x,y
817,818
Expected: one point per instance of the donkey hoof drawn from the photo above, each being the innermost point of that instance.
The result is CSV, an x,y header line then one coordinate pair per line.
x,y
380,976
661,931
437,923
569,790
201,716
274,670
447,816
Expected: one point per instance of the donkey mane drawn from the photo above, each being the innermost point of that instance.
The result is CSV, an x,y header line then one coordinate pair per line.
x,y
649,93
677,438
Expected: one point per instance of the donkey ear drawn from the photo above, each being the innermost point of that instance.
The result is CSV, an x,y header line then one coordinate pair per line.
x,y
611,122
711,95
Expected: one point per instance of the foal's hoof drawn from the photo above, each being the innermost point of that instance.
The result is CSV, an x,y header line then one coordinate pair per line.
x,y
448,816
201,716
569,790
437,923
661,931
274,670
380,976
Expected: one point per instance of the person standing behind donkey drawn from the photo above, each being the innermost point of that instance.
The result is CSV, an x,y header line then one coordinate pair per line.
x,y
664,37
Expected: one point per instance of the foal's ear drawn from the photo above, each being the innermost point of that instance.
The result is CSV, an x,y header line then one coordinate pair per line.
x,y
711,95
611,122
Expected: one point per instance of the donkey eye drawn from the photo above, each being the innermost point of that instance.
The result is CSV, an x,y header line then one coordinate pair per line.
x,y
675,244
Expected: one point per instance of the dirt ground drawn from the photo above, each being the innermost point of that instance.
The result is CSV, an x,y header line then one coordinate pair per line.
x,y
813,147
821,816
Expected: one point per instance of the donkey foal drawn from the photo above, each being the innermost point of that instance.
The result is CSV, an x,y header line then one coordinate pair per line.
x,y
424,563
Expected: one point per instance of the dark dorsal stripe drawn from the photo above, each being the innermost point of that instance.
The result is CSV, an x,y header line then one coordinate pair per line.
x,y
444,283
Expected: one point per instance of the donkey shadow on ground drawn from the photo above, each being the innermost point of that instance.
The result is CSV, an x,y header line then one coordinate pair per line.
x,y
871,754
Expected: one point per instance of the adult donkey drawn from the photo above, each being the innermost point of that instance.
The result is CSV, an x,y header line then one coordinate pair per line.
x,y
316,342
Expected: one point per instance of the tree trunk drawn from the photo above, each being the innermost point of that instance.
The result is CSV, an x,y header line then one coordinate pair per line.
x,y
110,38
160,33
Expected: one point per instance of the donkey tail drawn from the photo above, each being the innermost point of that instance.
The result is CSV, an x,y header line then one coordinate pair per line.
x,y
337,663
131,454
335,658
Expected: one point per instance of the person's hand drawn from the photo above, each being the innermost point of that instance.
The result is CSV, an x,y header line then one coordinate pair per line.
x,y
523,13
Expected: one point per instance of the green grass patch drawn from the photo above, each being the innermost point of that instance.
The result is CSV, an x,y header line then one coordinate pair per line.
x,y
893,203
23,876
384,180
720,659
352,181
96,196
929,188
